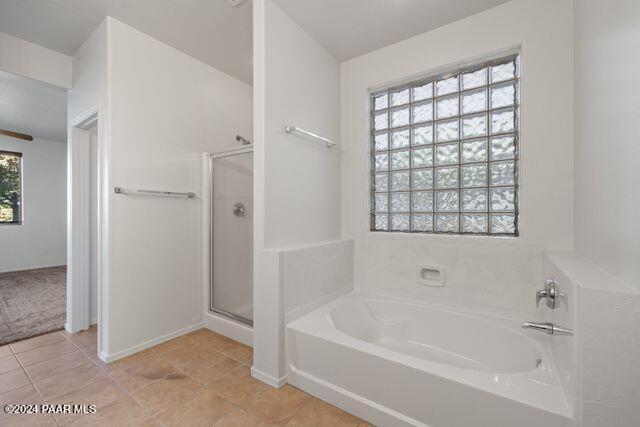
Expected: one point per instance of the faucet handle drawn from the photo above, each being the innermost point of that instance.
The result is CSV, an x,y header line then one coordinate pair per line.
x,y
541,294
551,293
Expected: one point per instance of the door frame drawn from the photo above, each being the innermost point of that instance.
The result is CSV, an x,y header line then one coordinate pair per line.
x,y
78,224
226,325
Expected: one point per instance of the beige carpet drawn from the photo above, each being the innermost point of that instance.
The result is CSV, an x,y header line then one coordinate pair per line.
x,y
32,302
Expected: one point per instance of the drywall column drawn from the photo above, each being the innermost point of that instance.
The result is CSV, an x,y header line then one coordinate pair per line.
x,y
166,110
607,176
607,230
296,180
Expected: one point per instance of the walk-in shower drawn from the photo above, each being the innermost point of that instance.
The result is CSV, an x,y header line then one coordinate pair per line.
x,y
231,234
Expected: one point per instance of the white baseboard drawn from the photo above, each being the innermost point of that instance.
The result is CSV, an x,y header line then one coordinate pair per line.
x,y
150,343
229,328
350,402
268,379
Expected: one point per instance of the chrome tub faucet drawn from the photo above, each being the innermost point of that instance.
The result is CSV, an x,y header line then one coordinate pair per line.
x,y
547,328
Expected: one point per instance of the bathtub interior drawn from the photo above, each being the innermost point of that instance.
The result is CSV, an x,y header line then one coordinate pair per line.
x,y
437,334
463,349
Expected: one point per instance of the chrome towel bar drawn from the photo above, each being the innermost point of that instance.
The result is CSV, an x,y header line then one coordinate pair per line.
x,y
120,190
291,129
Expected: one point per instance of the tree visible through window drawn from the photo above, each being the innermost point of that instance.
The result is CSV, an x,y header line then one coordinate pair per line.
x,y
10,188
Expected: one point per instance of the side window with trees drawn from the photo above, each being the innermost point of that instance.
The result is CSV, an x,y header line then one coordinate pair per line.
x,y
10,187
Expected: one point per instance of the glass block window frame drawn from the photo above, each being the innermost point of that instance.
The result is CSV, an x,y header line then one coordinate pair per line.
x,y
444,152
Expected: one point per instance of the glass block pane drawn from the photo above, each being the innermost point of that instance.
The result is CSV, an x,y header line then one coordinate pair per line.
x,y
400,138
400,159
474,223
423,92
399,117
422,157
503,199
381,202
447,201
474,126
474,200
474,79
400,181
503,224
422,222
447,86
474,151
447,154
444,153
400,202
447,130
423,135
503,72
381,162
422,201
381,222
422,179
474,101
502,121
381,121
400,97
422,112
400,222
502,173
381,141
503,95
447,223
447,177
380,101
474,175
447,107
503,147
381,182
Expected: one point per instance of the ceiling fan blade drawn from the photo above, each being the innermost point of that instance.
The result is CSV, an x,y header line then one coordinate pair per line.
x,y
16,135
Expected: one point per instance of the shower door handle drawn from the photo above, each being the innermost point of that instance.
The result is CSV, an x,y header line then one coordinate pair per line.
x,y
239,209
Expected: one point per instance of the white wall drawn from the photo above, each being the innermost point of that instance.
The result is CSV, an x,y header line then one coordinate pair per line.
x,y
476,266
296,180
41,239
88,95
31,60
316,274
166,109
607,35
607,230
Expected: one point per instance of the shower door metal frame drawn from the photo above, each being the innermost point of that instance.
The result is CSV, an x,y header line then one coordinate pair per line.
x,y
212,157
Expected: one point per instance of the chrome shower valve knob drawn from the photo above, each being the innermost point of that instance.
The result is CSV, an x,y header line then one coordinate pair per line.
x,y
551,294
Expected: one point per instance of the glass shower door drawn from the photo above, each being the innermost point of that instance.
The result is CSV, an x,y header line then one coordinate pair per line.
x,y
232,235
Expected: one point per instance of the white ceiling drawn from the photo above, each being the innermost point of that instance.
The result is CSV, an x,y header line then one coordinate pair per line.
x,y
209,30
221,35
350,28
31,107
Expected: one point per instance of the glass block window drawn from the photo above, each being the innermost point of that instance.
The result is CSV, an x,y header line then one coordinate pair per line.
x,y
444,152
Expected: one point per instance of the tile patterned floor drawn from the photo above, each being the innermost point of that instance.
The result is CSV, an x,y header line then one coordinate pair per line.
x,y
199,379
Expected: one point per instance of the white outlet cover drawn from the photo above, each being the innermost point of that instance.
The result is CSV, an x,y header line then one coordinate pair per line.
x,y
235,3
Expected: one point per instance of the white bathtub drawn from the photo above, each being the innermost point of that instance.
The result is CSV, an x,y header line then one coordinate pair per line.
x,y
395,362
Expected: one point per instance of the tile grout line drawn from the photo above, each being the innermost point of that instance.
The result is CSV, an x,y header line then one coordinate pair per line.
x,y
130,394
115,380
33,383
